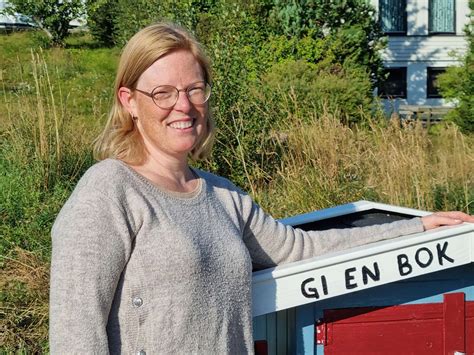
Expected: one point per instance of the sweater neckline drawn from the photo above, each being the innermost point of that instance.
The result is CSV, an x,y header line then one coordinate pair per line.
x,y
184,196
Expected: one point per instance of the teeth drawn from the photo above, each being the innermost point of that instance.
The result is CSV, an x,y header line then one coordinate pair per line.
x,y
181,124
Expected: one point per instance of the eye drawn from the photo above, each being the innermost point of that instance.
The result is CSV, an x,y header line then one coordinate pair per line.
x,y
196,91
163,93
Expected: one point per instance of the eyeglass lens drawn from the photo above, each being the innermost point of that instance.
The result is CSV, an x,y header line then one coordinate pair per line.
x,y
166,96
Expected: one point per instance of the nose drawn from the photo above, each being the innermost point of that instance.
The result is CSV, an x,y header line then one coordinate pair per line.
x,y
183,104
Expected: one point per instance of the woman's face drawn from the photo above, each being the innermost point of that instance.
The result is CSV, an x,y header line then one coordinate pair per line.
x,y
175,131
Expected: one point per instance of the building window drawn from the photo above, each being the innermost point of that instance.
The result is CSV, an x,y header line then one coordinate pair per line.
x,y
432,90
393,16
441,16
395,84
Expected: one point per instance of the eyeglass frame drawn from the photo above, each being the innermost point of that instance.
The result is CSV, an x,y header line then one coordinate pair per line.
x,y
186,90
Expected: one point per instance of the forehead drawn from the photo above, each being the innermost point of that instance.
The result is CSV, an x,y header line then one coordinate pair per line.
x,y
178,68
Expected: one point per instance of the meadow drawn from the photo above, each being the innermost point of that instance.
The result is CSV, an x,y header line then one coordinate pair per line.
x,y
54,102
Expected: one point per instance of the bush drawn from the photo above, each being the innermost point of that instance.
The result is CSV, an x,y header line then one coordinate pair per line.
x,y
351,28
102,21
341,90
133,16
457,84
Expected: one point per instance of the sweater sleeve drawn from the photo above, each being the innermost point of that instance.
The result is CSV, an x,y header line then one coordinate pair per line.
x,y
92,242
272,243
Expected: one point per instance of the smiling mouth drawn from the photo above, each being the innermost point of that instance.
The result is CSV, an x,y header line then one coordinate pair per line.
x,y
182,124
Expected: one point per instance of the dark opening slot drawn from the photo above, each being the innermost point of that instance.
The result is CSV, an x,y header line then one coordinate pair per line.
x,y
356,219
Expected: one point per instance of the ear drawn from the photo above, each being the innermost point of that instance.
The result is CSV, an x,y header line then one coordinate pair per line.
x,y
128,101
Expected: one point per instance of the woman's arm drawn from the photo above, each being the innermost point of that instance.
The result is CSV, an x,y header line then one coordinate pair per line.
x,y
92,242
272,243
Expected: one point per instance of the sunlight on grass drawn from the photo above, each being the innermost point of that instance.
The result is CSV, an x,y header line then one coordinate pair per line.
x,y
55,101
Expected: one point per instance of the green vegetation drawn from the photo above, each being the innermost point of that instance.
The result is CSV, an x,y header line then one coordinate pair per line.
x,y
52,16
457,83
297,128
53,103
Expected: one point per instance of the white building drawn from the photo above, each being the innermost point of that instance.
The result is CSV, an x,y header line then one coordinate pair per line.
x,y
16,21
424,37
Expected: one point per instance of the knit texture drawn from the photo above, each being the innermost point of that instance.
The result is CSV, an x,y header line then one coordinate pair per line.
x,y
135,267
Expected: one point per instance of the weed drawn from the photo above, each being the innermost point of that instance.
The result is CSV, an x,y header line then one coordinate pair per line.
x,y
24,302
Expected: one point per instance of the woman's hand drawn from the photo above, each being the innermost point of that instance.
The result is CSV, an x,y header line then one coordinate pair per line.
x,y
439,219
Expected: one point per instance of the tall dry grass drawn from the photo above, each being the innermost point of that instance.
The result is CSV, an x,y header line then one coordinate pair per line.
x,y
38,129
43,152
326,163
24,281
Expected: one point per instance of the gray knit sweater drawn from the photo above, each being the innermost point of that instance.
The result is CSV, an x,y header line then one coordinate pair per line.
x,y
137,268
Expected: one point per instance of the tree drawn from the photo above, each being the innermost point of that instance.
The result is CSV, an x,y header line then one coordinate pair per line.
x,y
457,84
102,20
345,29
52,16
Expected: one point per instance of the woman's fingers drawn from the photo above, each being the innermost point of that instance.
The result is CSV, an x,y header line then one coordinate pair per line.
x,y
445,219
456,215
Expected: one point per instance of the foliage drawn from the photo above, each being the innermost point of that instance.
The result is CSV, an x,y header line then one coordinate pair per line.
x,y
132,16
102,20
55,102
341,90
53,16
350,25
42,156
245,40
457,84
233,32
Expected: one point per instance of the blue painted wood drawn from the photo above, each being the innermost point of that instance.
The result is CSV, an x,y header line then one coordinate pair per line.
x,y
260,328
281,332
304,322
291,334
271,333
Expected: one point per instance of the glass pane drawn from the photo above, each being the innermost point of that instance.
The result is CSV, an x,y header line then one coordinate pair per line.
x,y
393,15
441,16
395,85
432,90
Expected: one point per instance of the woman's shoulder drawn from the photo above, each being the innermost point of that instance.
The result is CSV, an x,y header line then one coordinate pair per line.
x,y
106,177
217,181
105,172
108,169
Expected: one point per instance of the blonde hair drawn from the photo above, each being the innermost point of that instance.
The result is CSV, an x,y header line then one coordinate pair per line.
x,y
120,138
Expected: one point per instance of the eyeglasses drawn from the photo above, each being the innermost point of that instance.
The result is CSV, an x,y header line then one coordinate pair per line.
x,y
166,96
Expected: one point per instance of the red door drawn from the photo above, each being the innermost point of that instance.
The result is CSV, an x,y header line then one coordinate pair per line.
x,y
434,328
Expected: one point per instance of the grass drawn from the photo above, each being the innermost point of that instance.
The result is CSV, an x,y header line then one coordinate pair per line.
x,y
24,278
326,164
55,101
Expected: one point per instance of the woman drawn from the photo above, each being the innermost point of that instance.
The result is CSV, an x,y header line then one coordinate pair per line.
x,y
151,255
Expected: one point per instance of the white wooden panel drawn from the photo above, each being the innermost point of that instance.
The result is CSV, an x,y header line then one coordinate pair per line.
x,y
421,48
